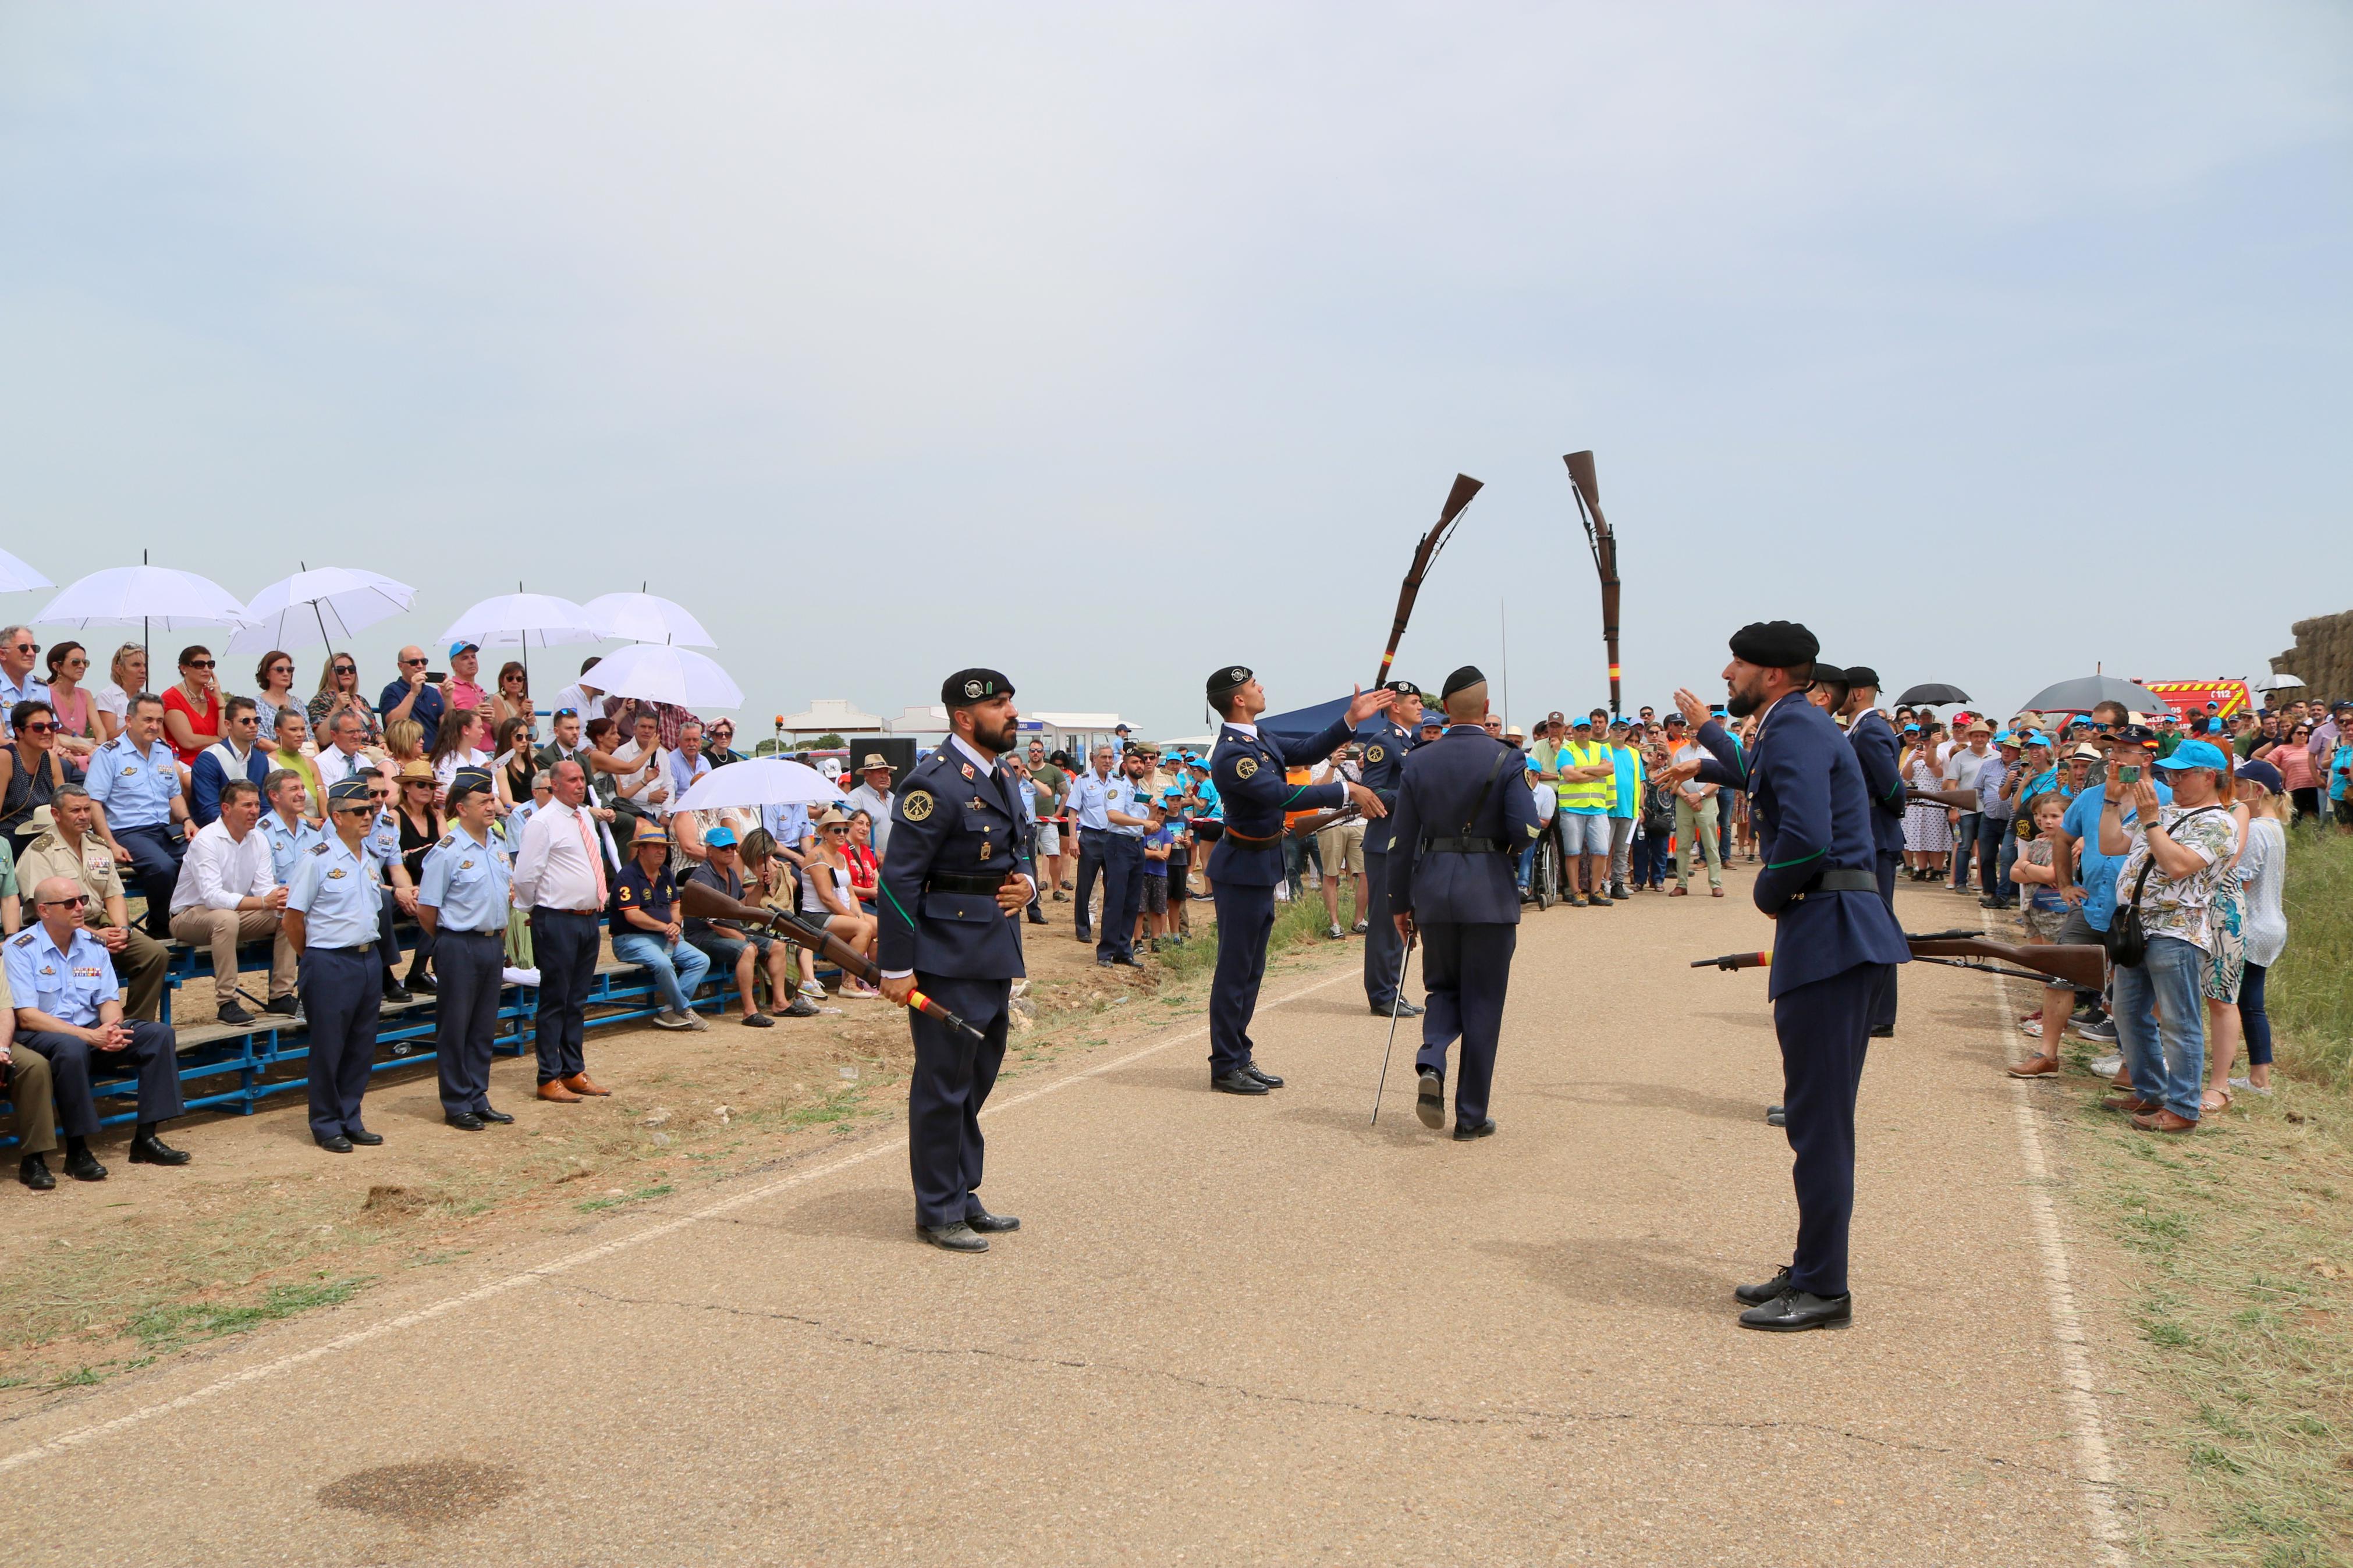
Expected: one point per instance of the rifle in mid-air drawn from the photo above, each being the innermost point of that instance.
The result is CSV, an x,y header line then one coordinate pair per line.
x,y
705,903
1424,552
2078,963
1587,486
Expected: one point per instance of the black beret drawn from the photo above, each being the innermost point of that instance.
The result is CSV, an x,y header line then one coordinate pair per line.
x,y
1775,644
1224,682
966,687
1465,677
1402,688
1861,675
1829,675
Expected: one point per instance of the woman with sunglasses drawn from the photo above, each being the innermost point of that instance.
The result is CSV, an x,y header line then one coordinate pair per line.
x,y
192,707
126,679
418,813
512,700
339,692
275,676
512,764
2293,757
75,710
455,747
827,899
32,771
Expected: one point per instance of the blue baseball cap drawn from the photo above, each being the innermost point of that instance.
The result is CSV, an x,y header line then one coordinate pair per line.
x,y
2195,754
720,838
1431,716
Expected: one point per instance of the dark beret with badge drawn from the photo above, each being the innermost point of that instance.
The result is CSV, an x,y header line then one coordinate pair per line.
x,y
1224,682
966,687
1462,679
1775,644
468,781
347,795
1402,688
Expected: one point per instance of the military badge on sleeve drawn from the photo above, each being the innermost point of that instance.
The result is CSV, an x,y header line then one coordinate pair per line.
x,y
916,807
1247,768
1375,753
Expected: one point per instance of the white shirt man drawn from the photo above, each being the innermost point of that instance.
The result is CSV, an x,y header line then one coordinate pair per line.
x,y
648,776
875,798
554,869
338,761
229,891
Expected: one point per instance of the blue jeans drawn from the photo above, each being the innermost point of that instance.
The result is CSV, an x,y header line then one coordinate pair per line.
x,y
677,966
2161,1023
1994,855
1964,839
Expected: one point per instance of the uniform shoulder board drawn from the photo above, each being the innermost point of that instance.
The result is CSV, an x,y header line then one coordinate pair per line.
x,y
26,940
318,849
448,840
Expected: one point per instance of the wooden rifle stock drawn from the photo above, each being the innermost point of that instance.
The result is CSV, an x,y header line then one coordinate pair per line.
x,y
703,901
1315,822
2080,964
1958,799
1424,552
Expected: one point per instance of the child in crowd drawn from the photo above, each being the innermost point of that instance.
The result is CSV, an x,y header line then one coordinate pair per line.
x,y
2044,911
1159,843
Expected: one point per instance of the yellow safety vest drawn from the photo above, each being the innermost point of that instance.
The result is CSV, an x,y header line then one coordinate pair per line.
x,y
1589,794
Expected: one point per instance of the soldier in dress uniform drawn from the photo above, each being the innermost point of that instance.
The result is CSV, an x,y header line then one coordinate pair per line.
x,y
1875,749
1386,746
462,903
1833,943
1248,860
953,890
1463,814
333,905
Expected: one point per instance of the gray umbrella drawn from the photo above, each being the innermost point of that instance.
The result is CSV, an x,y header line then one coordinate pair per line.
x,y
2079,695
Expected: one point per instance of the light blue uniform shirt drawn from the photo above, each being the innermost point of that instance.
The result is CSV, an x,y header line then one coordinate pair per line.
x,y
35,689
383,840
136,788
787,824
1088,796
468,882
339,895
1125,795
68,986
285,843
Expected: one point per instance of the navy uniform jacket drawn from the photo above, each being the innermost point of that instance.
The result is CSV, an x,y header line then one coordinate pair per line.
x,y
1436,800
1875,749
1248,770
953,825
1385,749
1812,813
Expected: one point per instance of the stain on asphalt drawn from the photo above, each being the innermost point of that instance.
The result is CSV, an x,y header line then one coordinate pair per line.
x,y
425,1494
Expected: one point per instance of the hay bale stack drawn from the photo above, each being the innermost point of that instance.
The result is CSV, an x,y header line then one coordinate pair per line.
x,y
2323,655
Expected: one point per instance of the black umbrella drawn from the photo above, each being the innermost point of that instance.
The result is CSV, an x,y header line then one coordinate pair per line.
x,y
1935,691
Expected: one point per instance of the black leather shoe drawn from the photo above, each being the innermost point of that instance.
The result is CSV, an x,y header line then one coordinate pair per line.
x,y
1758,1295
1037,918
1794,1311
1260,1074
956,1237
153,1150
464,1122
338,1145
499,1117
365,1138
1431,1105
1126,961
394,991
989,1224
1237,1082
1404,1010
424,983
1102,964
230,1012
83,1166
1775,1116
34,1172
1484,1130
1884,1032
284,1007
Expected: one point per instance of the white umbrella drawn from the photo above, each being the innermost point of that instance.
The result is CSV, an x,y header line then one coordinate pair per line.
x,y
645,618
661,673
152,598
2278,682
523,620
326,604
15,577
762,781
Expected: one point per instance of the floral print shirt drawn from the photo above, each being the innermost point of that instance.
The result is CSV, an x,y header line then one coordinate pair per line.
x,y
2183,908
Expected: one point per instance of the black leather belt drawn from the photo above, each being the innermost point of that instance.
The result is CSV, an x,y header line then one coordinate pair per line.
x,y
1467,847
949,883
461,930
1841,879
1253,840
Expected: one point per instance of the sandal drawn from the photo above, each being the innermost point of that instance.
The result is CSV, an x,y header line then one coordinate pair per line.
x,y
1715,892
2214,1100
2037,1066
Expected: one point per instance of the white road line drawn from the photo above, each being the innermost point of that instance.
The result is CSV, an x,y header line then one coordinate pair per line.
x,y
2095,1459
357,1337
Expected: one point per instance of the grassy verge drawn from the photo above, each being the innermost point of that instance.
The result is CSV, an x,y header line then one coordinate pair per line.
x,y
2310,995
2237,1307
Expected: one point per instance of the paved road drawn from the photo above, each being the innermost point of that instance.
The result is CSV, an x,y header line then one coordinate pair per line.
x,y
1231,1331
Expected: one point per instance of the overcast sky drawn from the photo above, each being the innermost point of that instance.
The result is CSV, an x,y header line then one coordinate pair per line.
x,y
1106,344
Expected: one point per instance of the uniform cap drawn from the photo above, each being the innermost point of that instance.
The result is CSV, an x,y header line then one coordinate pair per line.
x,y
1224,682
466,781
966,687
1468,675
1859,675
1402,688
1775,644
345,794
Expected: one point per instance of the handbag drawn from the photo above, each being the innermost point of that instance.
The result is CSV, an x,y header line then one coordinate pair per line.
x,y
2125,939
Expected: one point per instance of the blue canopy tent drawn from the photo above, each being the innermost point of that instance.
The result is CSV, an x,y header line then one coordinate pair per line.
x,y
1300,723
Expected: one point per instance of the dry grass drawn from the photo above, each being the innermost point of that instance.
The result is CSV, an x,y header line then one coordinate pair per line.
x,y
2310,996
